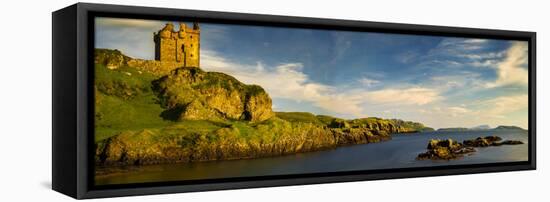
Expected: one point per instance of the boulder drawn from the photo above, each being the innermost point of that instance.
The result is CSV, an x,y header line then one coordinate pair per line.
x,y
482,141
444,150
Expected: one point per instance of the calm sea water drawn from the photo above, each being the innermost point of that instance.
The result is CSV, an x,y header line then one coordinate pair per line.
x,y
400,152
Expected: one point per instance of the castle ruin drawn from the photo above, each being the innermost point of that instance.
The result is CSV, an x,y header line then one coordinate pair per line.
x,y
180,47
173,49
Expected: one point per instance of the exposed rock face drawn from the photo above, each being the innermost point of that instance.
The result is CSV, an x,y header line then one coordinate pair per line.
x,y
190,93
450,149
388,125
257,106
112,59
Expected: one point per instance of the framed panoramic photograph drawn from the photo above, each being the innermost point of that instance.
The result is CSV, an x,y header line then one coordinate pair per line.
x,y
153,100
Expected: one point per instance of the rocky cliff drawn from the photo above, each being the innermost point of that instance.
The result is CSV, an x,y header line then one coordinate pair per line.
x,y
228,141
190,93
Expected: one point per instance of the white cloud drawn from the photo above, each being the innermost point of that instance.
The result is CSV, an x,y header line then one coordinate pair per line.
x,y
501,106
475,41
458,111
462,52
368,82
211,61
282,81
407,96
457,46
482,56
407,57
502,110
457,83
511,71
484,63
287,81
438,64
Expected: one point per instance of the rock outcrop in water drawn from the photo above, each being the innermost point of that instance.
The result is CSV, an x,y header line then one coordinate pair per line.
x,y
450,149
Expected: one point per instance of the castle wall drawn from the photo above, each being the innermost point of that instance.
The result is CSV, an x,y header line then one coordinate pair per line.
x,y
182,46
167,50
154,66
114,59
193,46
180,54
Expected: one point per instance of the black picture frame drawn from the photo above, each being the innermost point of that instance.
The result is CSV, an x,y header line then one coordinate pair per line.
x,y
72,70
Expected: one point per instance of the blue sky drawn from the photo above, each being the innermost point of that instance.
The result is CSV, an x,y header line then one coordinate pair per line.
x,y
439,81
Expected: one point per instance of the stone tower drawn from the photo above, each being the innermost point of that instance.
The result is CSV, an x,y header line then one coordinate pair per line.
x,y
181,47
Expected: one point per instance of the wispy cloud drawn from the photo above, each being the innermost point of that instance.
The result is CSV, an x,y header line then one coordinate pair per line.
x,y
501,110
456,111
456,46
407,57
461,52
368,82
457,83
512,71
501,106
287,81
341,45
480,56
406,96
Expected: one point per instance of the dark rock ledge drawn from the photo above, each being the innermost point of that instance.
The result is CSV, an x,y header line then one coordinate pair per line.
x,y
450,149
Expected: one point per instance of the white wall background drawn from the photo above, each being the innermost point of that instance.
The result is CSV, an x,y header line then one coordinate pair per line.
x,y
25,102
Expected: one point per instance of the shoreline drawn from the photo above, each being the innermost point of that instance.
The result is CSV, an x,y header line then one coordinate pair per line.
x,y
122,167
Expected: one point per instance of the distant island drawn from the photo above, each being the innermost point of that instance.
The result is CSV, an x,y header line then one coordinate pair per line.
x,y
509,128
481,128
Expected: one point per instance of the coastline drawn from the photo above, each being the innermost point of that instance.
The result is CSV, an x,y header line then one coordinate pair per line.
x,y
400,152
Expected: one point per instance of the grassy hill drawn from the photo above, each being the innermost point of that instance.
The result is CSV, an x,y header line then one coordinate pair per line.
x,y
192,115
